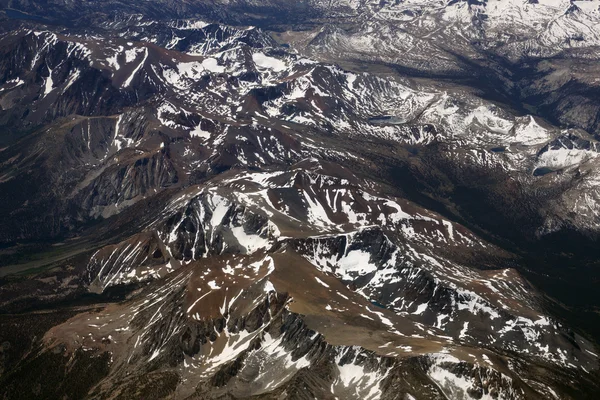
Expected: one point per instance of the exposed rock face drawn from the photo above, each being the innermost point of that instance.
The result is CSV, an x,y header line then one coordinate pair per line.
x,y
374,205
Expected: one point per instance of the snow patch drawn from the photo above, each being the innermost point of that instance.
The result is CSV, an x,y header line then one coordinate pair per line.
x,y
267,62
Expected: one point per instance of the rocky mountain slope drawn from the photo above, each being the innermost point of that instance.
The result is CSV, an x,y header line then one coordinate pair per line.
x,y
347,200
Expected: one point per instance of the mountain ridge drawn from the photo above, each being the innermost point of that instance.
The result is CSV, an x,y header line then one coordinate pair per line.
x,y
205,213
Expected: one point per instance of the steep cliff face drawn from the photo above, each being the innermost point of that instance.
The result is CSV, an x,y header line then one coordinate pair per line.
x,y
192,210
